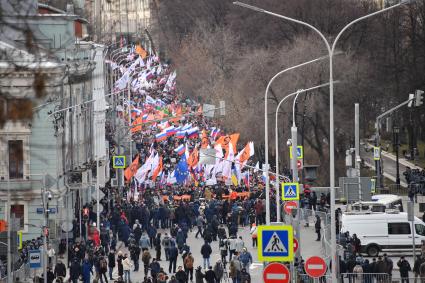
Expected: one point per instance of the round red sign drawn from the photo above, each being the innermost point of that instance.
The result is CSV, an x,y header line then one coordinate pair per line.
x,y
276,273
295,245
289,205
315,266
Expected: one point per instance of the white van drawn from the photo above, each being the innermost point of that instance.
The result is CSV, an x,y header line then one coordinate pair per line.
x,y
383,231
390,201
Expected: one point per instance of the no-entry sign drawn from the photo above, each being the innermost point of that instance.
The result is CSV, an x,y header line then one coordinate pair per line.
x,y
315,266
276,273
295,245
289,205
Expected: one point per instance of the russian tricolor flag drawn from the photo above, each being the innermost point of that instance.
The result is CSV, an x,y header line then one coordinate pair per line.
x,y
192,133
161,136
171,130
145,118
181,134
180,149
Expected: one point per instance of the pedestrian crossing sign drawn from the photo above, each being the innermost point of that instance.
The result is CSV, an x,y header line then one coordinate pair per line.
x,y
118,162
275,243
300,152
290,191
376,153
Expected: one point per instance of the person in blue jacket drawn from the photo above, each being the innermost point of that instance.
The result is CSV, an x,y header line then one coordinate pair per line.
x,y
86,270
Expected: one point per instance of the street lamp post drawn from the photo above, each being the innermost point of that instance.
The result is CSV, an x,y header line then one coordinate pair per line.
x,y
278,210
331,50
396,131
266,133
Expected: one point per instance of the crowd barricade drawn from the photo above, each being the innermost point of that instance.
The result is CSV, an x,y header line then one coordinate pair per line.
x,y
365,278
304,278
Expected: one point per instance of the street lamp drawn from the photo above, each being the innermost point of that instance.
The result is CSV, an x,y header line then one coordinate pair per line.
x,y
266,133
331,50
277,141
396,144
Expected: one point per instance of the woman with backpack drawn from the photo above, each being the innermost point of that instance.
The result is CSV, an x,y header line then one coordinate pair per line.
x,y
103,268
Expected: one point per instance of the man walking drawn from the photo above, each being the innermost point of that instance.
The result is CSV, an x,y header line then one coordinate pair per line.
x,y
318,227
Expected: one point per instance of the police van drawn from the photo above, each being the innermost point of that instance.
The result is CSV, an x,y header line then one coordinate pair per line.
x,y
389,231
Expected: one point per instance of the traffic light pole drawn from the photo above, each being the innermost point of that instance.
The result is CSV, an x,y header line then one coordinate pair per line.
x,y
379,164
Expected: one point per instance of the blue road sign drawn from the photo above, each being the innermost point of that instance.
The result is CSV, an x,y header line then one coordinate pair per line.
x,y
118,162
300,152
35,258
276,243
290,191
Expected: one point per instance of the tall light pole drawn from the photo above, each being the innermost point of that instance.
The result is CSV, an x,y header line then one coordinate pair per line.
x,y
277,139
266,132
331,50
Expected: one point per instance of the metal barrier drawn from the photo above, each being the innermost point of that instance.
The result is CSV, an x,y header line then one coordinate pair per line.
x,y
304,278
365,278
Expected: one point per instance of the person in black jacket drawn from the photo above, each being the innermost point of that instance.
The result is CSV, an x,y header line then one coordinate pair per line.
x,y
157,244
404,267
181,275
210,275
172,257
111,263
75,271
318,227
206,252
60,269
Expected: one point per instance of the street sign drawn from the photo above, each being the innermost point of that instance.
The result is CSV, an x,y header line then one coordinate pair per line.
x,y
300,152
300,164
118,162
372,186
295,245
35,258
276,243
290,191
315,266
19,240
51,210
276,273
289,205
376,153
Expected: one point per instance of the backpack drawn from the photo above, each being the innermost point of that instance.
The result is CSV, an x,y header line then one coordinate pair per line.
x,y
103,264
167,242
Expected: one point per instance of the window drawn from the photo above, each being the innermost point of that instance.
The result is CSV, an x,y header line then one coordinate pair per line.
x,y
398,228
16,159
18,212
420,229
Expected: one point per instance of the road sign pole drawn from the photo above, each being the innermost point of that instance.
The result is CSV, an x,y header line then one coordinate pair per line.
x,y
294,135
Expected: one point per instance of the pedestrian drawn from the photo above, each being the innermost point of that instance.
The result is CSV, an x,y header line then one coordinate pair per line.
x,y
146,258
181,275
144,242
419,260
50,253
127,266
404,268
253,233
210,275
86,270
218,270
239,245
188,265
206,252
318,227
111,263
103,268
388,266
245,258
358,270
155,268
137,230
135,254
173,254
120,258
223,251
151,234
173,279
232,247
245,277
157,244
60,270
199,276
75,271
199,224
235,268
166,243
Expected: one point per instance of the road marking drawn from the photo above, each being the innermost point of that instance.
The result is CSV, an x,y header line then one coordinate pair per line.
x,y
315,266
275,276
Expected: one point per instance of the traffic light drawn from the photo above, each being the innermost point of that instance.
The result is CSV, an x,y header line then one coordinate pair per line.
x,y
419,96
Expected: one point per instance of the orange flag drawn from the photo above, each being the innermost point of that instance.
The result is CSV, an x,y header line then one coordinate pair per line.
x,y
142,52
246,153
193,159
137,125
204,139
132,169
224,141
157,169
